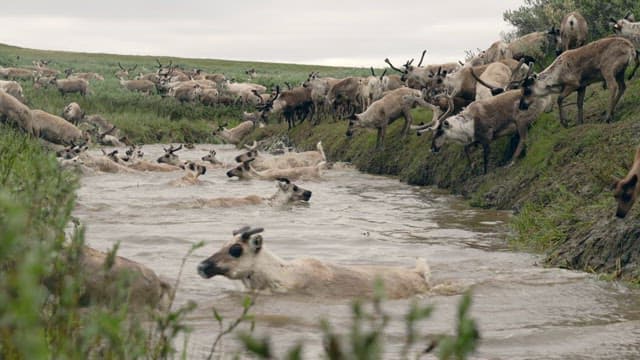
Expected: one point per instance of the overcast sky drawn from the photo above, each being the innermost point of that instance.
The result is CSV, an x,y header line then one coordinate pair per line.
x,y
324,32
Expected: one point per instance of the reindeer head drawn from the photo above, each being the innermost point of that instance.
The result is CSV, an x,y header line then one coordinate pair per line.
x,y
533,87
618,25
267,106
237,258
124,72
289,192
169,156
408,67
553,37
241,171
194,168
314,75
113,155
249,155
72,151
454,128
354,122
134,152
625,192
211,157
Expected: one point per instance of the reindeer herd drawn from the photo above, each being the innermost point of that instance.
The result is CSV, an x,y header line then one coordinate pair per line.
x,y
493,94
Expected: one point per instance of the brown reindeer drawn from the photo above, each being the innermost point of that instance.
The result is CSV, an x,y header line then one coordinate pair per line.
x,y
602,60
573,32
626,190
294,103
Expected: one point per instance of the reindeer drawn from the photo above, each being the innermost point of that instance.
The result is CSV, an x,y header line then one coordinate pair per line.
x,y
55,129
169,156
573,32
145,288
499,50
235,134
384,112
186,92
14,89
605,59
462,84
626,190
295,103
627,28
144,86
372,87
287,193
320,87
73,113
66,86
286,161
416,77
251,73
533,46
12,73
245,171
193,171
246,258
124,73
344,97
485,120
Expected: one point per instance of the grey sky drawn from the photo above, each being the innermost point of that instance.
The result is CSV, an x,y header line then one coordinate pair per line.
x,y
328,32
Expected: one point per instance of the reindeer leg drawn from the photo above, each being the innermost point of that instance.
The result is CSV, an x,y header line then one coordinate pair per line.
x,y
565,92
486,150
467,152
407,122
522,138
580,103
616,98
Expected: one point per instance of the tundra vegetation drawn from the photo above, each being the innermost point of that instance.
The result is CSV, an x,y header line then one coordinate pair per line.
x,y
560,190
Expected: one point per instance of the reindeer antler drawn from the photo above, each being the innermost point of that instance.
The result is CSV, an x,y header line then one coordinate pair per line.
x,y
422,57
393,67
257,94
241,230
247,234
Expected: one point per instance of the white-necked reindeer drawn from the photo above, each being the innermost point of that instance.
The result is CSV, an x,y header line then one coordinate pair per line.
x,y
246,258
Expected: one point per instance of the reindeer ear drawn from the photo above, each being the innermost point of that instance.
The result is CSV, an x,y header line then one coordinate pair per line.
x,y
256,243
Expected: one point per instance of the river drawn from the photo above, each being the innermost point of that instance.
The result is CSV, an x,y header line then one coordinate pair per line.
x,y
523,310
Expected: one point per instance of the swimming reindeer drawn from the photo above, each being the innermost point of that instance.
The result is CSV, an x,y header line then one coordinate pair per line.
x,y
169,156
287,193
246,258
246,171
193,171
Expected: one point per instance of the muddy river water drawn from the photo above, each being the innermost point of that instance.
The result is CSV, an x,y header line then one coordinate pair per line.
x,y
523,310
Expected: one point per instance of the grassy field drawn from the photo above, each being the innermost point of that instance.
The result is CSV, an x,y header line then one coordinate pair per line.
x,y
149,119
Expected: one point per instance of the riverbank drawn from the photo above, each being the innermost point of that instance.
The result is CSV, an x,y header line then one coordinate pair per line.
x,y
559,192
